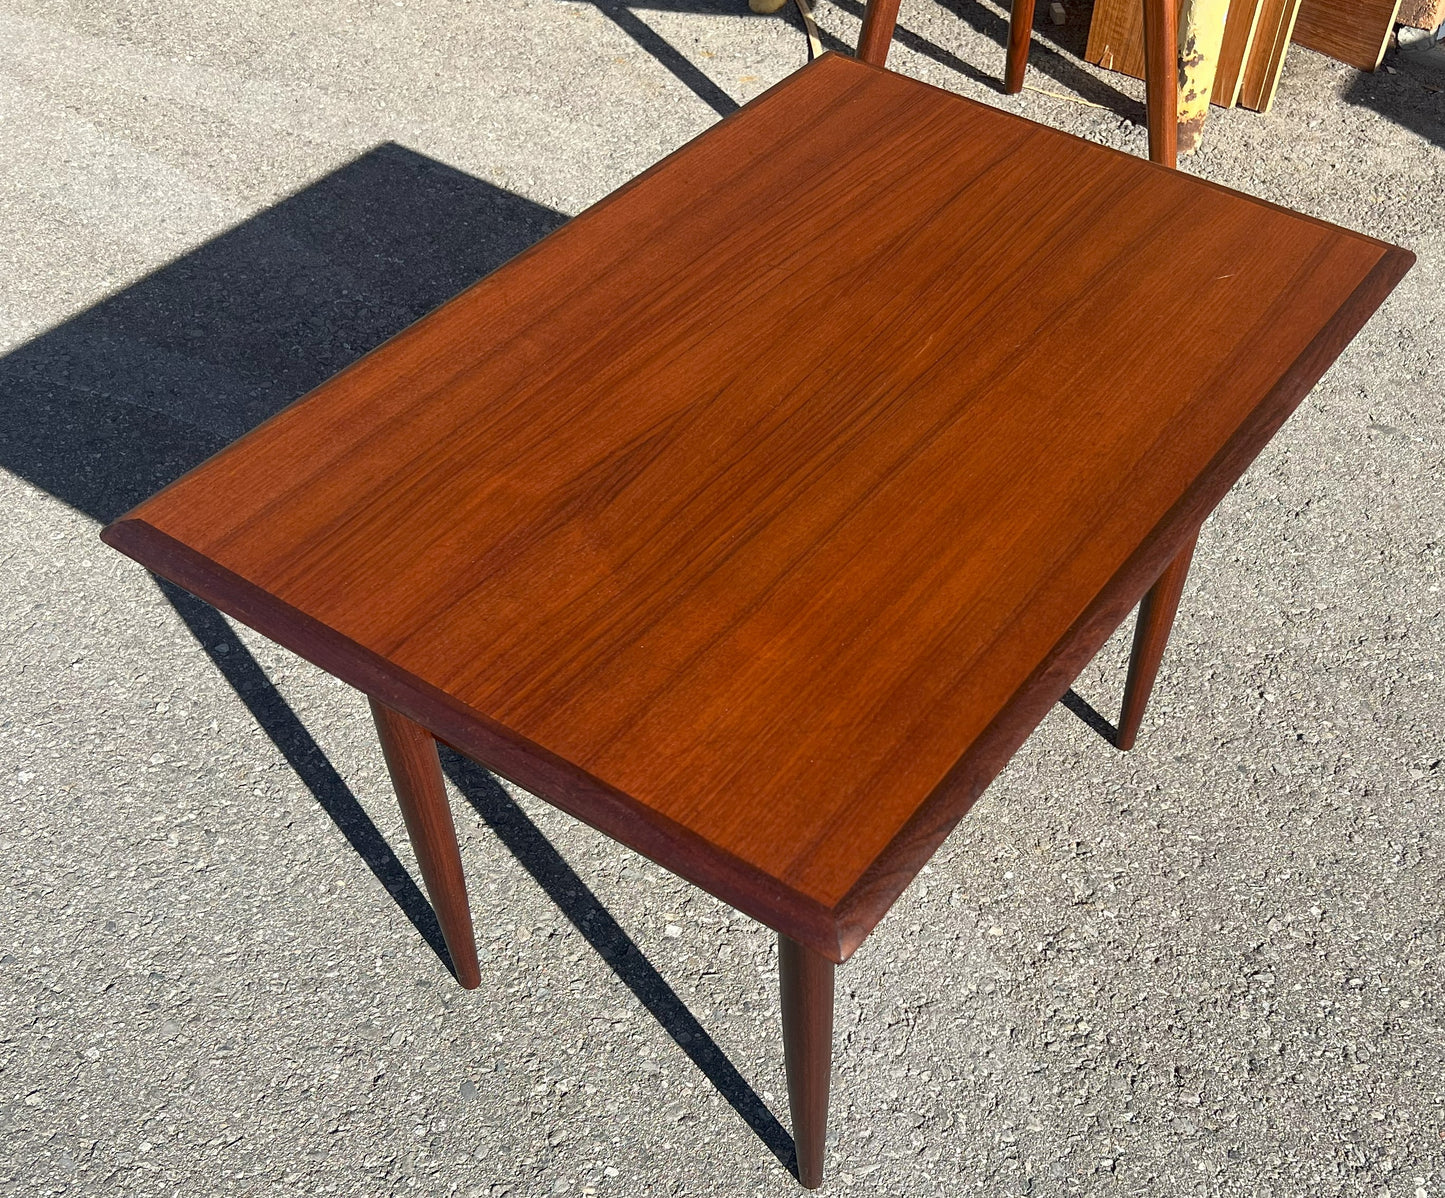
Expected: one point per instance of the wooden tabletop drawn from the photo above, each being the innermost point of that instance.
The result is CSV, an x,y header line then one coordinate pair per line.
x,y
758,514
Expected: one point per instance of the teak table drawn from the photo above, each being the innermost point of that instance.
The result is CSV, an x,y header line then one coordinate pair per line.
x,y
757,515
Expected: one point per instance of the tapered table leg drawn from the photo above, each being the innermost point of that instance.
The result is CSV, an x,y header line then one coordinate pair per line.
x,y
1151,634
416,774
1020,29
807,990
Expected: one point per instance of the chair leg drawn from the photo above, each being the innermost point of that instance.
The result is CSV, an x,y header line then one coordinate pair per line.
x,y
416,775
1151,634
1020,28
1161,79
806,981
879,18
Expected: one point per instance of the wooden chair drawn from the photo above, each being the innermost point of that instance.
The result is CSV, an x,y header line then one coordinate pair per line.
x,y
1161,53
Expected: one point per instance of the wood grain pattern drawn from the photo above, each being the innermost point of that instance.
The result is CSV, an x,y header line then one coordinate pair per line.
x,y
759,513
1265,63
1116,36
1240,29
1353,31
1116,42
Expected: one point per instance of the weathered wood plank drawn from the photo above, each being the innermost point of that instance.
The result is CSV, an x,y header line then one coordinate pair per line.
x,y
1266,59
1201,33
1116,42
1352,31
1240,28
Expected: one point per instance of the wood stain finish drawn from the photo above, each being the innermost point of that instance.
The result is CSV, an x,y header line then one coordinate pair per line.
x,y
757,515
1356,32
416,775
1265,64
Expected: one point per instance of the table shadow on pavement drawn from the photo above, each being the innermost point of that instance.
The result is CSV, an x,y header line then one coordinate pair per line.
x,y
1057,51
550,870
108,407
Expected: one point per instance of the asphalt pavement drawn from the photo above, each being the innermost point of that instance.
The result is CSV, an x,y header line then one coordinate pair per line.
x,y
1210,966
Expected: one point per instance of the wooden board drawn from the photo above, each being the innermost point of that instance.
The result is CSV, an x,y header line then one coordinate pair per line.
x,y
1353,31
1240,30
1116,42
758,514
1116,36
1265,64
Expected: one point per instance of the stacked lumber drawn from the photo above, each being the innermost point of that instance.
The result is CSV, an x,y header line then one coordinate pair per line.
x,y
1256,35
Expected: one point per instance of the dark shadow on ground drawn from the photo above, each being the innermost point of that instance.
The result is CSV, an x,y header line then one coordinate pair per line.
x,y
1082,708
1414,97
1055,52
111,405
104,409
306,757
903,36
573,898
685,70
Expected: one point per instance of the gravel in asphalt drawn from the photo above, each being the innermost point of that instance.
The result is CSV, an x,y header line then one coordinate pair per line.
x,y
1210,966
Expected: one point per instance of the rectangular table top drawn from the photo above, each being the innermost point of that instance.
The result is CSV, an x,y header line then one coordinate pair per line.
x,y
759,513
